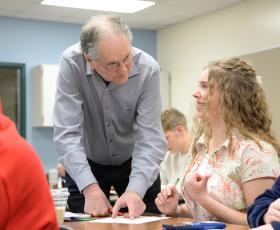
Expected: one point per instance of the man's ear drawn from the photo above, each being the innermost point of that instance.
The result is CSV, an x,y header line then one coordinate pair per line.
x,y
89,60
179,130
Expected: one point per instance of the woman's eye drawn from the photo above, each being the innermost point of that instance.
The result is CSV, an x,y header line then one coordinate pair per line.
x,y
204,85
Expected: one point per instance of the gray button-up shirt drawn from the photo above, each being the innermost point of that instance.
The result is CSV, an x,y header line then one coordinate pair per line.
x,y
109,124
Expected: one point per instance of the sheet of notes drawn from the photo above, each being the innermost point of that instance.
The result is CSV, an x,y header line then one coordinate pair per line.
x,y
123,220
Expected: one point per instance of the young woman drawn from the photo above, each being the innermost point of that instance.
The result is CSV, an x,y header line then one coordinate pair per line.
x,y
234,153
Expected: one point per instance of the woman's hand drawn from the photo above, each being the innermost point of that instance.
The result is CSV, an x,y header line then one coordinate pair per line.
x,y
196,186
167,200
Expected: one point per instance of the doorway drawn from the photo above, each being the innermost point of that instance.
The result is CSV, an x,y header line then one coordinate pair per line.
x,y
12,93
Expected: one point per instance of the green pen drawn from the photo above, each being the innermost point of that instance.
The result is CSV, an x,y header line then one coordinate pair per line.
x,y
83,218
177,181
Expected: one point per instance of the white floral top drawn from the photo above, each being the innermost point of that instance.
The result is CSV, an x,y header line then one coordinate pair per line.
x,y
228,172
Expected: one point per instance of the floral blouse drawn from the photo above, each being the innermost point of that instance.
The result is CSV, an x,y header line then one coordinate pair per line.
x,y
229,171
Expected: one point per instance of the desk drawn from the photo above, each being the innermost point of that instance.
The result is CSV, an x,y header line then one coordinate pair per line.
x,y
157,225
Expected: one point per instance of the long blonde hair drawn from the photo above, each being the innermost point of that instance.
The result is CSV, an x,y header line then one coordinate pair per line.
x,y
242,102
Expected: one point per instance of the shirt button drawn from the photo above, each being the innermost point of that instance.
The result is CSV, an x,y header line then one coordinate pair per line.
x,y
108,125
110,141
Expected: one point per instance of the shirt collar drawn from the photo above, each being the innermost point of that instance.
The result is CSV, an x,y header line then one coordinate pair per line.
x,y
236,137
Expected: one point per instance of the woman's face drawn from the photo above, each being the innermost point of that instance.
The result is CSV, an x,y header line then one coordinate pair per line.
x,y
206,107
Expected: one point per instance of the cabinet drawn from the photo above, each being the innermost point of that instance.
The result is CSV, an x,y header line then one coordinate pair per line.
x,y
43,94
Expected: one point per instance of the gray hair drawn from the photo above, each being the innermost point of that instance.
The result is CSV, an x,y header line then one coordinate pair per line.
x,y
98,27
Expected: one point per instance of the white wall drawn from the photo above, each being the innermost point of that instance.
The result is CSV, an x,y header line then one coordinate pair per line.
x,y
267,66
185,48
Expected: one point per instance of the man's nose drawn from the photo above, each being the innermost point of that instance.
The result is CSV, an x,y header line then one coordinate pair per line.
x,y
123,68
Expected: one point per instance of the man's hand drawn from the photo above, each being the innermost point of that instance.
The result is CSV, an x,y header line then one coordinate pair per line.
x,y
96,203
273,212
132,201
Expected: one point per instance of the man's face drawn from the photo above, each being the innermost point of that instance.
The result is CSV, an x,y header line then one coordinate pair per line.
x,y
172,137
114,58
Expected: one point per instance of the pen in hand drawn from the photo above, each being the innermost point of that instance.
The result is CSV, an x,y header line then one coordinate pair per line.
x,y
177,182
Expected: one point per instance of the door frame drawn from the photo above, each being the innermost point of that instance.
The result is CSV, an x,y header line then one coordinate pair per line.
x,y
21,68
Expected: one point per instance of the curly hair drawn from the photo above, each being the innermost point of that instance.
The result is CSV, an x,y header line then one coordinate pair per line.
x,y
242,102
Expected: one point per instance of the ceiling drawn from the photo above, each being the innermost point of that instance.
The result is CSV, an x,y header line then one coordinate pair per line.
x,y
162,14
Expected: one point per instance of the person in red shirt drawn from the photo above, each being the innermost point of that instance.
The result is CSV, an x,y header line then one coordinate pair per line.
x,y
25,197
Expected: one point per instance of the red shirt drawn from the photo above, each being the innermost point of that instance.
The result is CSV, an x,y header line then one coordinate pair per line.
x,y
25,199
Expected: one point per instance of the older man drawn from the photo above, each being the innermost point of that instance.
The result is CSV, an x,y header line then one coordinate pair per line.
x,y
107,128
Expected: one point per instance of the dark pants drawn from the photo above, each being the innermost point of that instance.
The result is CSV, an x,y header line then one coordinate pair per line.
x,y
107,176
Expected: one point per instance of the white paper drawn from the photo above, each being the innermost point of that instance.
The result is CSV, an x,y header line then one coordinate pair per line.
x,y
69,215
123,220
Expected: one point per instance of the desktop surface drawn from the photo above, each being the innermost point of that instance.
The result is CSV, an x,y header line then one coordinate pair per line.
x,y
146,226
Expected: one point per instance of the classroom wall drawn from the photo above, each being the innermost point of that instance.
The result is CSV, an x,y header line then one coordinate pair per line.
x,y
184,49
267,66
35,42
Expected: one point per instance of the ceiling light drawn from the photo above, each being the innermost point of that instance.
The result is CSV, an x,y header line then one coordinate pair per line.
x,y
122,6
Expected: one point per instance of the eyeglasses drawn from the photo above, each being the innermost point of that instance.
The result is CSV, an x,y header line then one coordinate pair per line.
x,y
114,66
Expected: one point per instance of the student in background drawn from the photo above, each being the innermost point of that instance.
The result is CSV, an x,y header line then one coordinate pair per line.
x,y
234,153
175,128
26,201
265,211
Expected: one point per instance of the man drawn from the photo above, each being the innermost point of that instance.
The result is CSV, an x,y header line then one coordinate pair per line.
x,y
26,201
107,129
175,128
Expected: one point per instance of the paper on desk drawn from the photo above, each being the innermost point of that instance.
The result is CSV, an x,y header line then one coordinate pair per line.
x,y
69,215
123,220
